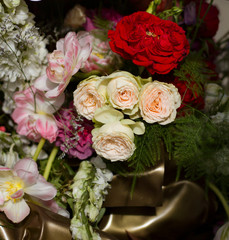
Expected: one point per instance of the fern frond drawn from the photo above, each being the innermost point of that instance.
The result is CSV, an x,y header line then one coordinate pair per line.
x,y
194,70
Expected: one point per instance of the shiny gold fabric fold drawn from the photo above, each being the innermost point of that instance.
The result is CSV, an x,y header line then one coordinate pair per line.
x,y
184,208
41,224
148,182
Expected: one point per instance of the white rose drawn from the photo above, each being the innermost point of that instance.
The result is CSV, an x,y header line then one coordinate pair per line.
x,y
214,95
11,3
114,141
88,98
123,91
158,102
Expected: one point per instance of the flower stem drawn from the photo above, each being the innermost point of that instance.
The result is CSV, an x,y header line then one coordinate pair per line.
x,y
39,148
220,196
200,21
50,161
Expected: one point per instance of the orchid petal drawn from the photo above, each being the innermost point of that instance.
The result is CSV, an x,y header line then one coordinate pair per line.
x,y
16,211
42,189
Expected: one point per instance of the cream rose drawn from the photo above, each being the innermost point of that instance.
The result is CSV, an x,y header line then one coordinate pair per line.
x,y
114,141
123,90
158,102
88,97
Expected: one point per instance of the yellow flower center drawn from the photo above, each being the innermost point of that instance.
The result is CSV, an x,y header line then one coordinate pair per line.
x,y
151,34
42,113
99,55
12,187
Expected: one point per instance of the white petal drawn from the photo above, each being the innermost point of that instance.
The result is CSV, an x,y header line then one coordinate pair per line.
x,y
42,190
16,211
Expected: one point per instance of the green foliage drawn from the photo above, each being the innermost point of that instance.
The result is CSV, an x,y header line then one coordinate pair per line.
x,y
149,147
194,70
198,144
61,176
174,12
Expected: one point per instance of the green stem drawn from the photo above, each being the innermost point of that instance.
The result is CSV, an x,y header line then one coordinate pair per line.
x,y
220,196
200,21
178,173
39,148
50,161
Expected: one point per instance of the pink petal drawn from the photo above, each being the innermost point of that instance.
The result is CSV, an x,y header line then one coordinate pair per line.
x,y
27,170
16,211
3,168
42,189
70,41
18,194
2,199
85,41
59,89
20,114
25,98
53,105
60,45
47,128
44,84
27,164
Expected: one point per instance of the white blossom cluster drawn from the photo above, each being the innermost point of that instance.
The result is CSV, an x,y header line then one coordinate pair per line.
x,y
10,144
22,49
89,188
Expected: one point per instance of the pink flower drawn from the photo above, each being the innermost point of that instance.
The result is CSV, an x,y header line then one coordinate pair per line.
x,y
102,58
34,114
71,53
74,134
2,129
23,179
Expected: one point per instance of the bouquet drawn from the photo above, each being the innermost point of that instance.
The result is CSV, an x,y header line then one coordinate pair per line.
x,y
106,93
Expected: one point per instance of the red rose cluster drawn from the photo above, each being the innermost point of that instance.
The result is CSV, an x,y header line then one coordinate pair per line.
x,y
159,45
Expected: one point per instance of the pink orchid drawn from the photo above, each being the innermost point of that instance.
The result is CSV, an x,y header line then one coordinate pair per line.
x,y
16,183
71,53
34,114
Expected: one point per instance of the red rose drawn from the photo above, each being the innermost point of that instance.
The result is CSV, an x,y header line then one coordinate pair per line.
x,y
210,23
190,95
159,45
